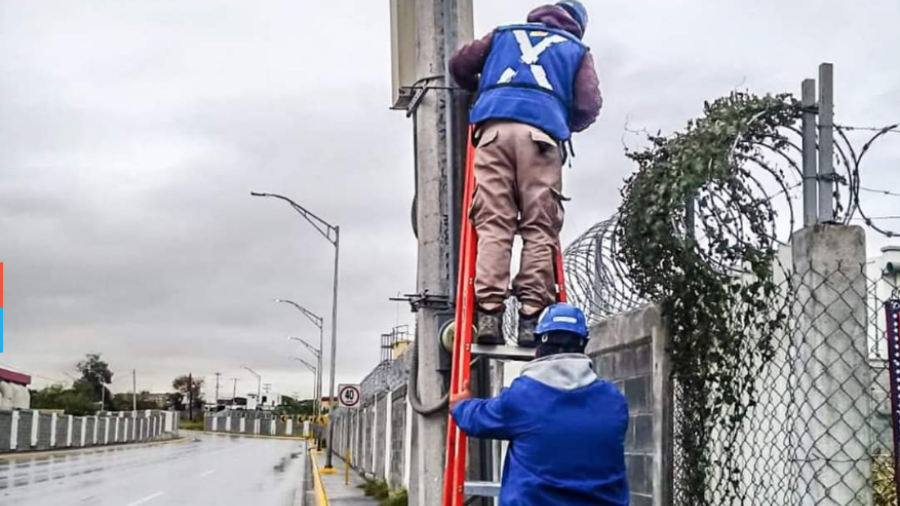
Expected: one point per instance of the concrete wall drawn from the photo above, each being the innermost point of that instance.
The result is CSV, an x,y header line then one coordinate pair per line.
x,y
26,430
14,396
257,423
377,433
630,350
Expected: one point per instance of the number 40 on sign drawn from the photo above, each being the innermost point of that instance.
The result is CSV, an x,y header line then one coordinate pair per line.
x,y
349,396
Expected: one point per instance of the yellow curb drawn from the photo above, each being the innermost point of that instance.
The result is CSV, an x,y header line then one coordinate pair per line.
x,y
318,488
85,449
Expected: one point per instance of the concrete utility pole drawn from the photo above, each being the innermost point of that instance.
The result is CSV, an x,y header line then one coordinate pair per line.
x,y
134,390
234,390
441,27
190,397
258,385
217,387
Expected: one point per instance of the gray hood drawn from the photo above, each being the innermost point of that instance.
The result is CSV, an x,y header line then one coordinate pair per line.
x,y
567,371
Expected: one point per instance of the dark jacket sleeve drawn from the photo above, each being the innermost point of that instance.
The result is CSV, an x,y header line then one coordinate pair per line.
x,y
467,63
587,99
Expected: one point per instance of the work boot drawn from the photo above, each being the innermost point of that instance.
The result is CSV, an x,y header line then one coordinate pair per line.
x,y
490,326
526,330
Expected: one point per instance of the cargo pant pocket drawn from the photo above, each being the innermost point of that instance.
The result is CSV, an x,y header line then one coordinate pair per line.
x,y
558,213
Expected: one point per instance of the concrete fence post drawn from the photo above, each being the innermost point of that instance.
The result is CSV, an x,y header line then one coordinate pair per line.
x,y
116,431
388,429
70,421
35,425
53,420
407,447
243,424
273,428
374,456
96,429
14,431
228,423
83,431
289,427
833,375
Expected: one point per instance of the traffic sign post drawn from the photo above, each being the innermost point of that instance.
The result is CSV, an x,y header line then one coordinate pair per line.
x,y
349,396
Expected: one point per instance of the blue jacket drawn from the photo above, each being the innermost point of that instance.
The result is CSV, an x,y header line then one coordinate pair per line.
x,y
529,77
566,430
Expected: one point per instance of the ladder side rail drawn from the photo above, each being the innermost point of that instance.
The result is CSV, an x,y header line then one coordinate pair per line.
x,y
464,306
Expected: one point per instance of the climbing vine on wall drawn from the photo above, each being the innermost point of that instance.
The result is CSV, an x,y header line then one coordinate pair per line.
x,y
698,235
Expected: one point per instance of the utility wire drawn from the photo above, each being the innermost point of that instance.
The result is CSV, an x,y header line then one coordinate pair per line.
x,y
882,192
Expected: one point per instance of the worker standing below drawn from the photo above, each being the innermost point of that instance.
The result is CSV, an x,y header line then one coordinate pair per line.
x,y
536,85
566,427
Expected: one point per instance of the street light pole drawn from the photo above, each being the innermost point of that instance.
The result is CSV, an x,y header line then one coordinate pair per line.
x,y
318,321
258,385
332,233
317,389
309,366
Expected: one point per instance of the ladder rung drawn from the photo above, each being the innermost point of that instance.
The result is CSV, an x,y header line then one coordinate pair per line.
x,y
502,352
482,488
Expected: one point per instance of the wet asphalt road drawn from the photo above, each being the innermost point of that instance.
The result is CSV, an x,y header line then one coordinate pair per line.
x,y
215,470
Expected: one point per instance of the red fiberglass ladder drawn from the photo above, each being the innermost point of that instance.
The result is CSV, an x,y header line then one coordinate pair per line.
x,y
463,347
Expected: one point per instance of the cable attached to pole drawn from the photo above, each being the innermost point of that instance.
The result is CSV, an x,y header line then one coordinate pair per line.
x,y
414,401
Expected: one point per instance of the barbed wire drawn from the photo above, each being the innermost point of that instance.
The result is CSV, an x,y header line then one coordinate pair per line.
x,y
888,129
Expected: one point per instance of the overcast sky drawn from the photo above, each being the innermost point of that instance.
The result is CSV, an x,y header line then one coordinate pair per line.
x,y
131,133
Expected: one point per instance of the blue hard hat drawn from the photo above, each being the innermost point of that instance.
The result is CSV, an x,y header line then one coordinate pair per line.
x,y
577,10
562,317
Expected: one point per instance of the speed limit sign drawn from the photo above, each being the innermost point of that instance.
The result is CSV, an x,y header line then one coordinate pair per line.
x,y
348,396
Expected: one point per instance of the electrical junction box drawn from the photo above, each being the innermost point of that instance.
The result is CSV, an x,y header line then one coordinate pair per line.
x,y
403,52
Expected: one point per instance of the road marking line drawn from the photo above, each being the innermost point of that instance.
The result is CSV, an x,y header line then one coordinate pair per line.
x,y
146,499
207,473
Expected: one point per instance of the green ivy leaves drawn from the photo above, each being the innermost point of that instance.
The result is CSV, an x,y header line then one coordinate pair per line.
x,y
715,280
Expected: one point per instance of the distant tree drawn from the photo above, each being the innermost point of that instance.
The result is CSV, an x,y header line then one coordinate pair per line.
x,y
124,402
95,373
291,406
189,388
175,400
74,401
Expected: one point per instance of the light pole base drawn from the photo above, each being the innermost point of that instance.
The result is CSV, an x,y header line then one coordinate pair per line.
x,y
328,470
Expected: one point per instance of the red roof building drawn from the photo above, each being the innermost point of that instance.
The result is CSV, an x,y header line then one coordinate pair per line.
x,y
15,377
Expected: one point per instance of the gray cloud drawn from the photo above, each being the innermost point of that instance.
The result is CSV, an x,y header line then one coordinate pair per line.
x,y
132,132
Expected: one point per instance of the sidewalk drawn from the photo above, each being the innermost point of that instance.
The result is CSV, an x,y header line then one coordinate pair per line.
x,y
336,493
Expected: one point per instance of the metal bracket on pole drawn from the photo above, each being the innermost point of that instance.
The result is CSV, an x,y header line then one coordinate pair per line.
x,y
423,300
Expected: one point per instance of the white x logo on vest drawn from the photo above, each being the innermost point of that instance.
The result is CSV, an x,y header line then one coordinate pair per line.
x,y
530,55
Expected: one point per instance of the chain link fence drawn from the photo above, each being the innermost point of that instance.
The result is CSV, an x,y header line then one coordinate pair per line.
x,y
818,431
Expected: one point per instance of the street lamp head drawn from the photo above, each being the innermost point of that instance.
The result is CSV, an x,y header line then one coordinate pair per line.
x,y
257,194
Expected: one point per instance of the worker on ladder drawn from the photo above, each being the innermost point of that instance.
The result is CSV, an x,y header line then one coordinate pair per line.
x,y
566,427
536,84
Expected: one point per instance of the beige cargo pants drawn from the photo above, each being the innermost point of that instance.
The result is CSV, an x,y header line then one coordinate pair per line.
x,y
518,188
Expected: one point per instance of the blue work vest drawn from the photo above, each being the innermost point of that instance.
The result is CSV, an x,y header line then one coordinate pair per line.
x,y
529,77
